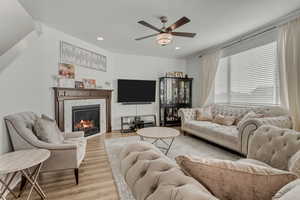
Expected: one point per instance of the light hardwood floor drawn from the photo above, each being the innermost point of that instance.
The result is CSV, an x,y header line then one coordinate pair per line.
x,y
95,178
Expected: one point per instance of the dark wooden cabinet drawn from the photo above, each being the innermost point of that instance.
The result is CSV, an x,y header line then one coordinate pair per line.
x,y
174,93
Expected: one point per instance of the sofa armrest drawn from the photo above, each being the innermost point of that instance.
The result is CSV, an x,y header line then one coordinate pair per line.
x,y
44,145
247,129
61,159
75,134
187,114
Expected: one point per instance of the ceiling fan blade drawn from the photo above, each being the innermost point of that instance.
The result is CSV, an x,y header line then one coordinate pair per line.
x,y
179,23
149,25
184,34
141,38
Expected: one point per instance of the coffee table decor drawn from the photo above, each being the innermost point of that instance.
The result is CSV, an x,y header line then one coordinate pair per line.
x,y
162,135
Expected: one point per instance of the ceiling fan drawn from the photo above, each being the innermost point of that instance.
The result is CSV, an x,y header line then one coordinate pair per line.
x,y
165,34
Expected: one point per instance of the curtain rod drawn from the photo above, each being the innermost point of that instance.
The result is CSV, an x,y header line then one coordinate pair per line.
x,y
249,37
245,38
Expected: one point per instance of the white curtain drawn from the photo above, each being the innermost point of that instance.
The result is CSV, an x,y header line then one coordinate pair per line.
x,y
208,69
289,68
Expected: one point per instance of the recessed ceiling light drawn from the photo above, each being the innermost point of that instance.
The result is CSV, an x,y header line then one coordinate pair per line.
x,y
100,38
177,48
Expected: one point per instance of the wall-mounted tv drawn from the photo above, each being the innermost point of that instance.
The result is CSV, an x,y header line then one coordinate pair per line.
x,y
136,91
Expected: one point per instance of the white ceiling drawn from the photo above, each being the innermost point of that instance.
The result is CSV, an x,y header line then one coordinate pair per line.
x,y
214,21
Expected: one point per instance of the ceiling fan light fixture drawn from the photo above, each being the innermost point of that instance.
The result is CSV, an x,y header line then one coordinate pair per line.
x,y
164,39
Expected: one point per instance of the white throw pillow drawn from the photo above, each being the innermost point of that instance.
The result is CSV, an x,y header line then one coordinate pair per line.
x,y
204,114
224,120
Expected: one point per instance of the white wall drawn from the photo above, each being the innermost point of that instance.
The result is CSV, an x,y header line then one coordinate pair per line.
x,y
140,67
26,82
19,83
193,71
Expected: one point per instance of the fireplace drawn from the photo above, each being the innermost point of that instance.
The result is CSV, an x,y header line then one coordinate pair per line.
x,y
86,118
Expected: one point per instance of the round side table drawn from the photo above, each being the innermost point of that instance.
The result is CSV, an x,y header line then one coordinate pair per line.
x,y
20,162
159,134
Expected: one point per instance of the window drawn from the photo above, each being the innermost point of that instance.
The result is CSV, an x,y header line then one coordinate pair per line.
x,y
249,77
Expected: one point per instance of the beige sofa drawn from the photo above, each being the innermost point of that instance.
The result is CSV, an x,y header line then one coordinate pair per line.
x,y
230,136
67,155
152,176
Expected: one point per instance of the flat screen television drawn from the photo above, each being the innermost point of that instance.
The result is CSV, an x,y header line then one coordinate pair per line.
x,y
136,91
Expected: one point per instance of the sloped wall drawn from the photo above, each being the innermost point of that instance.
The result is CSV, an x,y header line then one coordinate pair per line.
x,y
15,24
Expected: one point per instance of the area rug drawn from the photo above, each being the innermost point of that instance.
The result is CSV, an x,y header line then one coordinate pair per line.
x,y
186,145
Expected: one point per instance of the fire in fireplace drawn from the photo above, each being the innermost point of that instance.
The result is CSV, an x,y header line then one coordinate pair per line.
x,y
85,124
86,118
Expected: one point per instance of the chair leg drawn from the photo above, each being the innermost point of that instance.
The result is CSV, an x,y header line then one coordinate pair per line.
x,y
76,173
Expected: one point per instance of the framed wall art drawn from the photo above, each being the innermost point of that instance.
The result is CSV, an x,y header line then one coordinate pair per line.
x,y
72,54
66,70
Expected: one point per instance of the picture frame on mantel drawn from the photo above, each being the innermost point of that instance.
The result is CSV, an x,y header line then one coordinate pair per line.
x,y
72,54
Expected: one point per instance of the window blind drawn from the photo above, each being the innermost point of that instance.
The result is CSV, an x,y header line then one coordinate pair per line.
x,y
249,77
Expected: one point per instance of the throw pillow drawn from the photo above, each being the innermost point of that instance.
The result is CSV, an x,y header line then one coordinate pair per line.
x,y
224,120
229,180
204,114
60,134
46,131
249,115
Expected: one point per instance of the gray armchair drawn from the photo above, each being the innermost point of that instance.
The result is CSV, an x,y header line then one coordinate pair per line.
x,y
67,155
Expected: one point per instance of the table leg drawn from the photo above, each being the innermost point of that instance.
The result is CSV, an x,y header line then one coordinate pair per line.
x,y
6,186
25,181
155,141
169,146
34,184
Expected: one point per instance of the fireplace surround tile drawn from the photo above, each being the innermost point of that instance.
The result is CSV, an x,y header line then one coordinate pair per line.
x,y
68,104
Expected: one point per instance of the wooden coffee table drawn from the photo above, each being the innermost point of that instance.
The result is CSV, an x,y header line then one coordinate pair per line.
x,y
163,134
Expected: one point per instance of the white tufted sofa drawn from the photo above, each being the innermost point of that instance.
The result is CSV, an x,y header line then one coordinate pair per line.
x,y
153,176
230,136
275,147
278,148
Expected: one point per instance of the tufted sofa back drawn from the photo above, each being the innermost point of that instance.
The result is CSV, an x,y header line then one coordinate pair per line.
x,y
240,111
21,131
152,176
274,146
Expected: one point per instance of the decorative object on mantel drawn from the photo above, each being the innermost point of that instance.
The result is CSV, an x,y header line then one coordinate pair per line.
x,y
78,56
66,70
89,83
79,84
175,74
63,82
